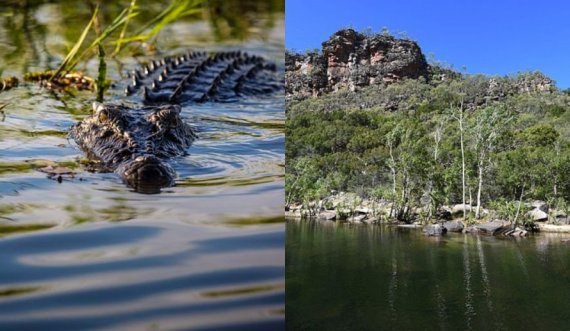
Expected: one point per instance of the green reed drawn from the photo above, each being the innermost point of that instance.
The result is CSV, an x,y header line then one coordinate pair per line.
x,y
106,37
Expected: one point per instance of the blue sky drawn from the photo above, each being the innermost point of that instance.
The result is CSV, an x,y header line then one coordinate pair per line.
x,y
491,37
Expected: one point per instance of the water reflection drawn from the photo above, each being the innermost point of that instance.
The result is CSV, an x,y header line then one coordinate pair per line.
x,y
152,279
337,278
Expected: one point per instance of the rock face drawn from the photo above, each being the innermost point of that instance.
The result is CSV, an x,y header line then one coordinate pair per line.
x,y
538,215
350,60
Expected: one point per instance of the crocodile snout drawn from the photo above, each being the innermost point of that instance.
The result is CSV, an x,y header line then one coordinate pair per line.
x,y
147,174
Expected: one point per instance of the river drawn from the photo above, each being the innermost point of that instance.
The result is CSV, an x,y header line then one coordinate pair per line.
x,y
359,277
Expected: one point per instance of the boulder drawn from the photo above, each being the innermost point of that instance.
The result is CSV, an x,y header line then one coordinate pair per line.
x,y
516,232
543,227
540,205
357,218
327,215
363,210
454,226
563,220
538,215
495,227
459,208
443,213
471,229
293,213
434,230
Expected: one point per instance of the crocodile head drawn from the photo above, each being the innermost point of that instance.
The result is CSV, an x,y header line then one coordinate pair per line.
x,y
136,143
146,173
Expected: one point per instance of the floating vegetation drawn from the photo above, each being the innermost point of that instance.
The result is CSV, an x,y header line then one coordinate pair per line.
x,y
16,291
94,165
280,125
243,291
216,181
256,220
29,165
121,211
8,83
11,208
58,172
6,229
51,133
73,79
12,132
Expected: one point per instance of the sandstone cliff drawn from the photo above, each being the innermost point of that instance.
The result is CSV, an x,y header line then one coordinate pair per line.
x,y
350,60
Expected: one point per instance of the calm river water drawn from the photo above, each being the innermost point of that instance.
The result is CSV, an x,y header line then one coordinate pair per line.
x,y
207,253
346,277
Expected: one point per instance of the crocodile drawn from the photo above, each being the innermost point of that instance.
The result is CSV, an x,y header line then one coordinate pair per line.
x,y
137,142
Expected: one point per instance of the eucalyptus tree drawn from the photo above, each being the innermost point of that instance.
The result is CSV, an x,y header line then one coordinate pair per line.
x,y
489,124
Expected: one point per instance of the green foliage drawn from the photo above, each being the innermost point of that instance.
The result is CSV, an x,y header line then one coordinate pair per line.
x,y
540,135
506,209
401,143
556,110
176,10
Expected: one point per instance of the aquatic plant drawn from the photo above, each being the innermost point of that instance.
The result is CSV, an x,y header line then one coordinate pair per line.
x,y
104,37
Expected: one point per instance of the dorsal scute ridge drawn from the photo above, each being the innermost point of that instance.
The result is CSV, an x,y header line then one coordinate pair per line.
x,y
200,76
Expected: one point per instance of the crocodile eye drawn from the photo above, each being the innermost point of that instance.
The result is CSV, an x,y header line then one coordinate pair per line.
x,y
109,115
103,116
101,112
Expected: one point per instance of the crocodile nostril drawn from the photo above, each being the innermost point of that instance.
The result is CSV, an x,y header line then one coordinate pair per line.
x,y
150,174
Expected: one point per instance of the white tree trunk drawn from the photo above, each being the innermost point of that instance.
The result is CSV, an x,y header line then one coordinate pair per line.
x,y
519,206
393,170
462,160
480,186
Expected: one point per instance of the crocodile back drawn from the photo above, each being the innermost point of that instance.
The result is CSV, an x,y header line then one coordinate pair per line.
x,y
201,77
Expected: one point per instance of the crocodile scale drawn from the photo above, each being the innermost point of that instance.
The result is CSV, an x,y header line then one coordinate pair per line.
x,y
200,77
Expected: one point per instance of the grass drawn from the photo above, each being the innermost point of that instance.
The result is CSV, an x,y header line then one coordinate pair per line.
x,y
106,37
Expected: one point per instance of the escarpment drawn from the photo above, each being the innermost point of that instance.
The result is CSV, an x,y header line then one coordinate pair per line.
x,y
350,60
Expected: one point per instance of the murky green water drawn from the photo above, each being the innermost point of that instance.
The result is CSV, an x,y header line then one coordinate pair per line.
x,y
343,277
207,253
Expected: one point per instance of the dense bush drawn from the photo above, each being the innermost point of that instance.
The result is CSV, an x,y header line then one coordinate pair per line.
x,y
403,143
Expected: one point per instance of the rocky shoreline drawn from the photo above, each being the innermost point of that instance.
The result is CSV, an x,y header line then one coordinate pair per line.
x,y
349,208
